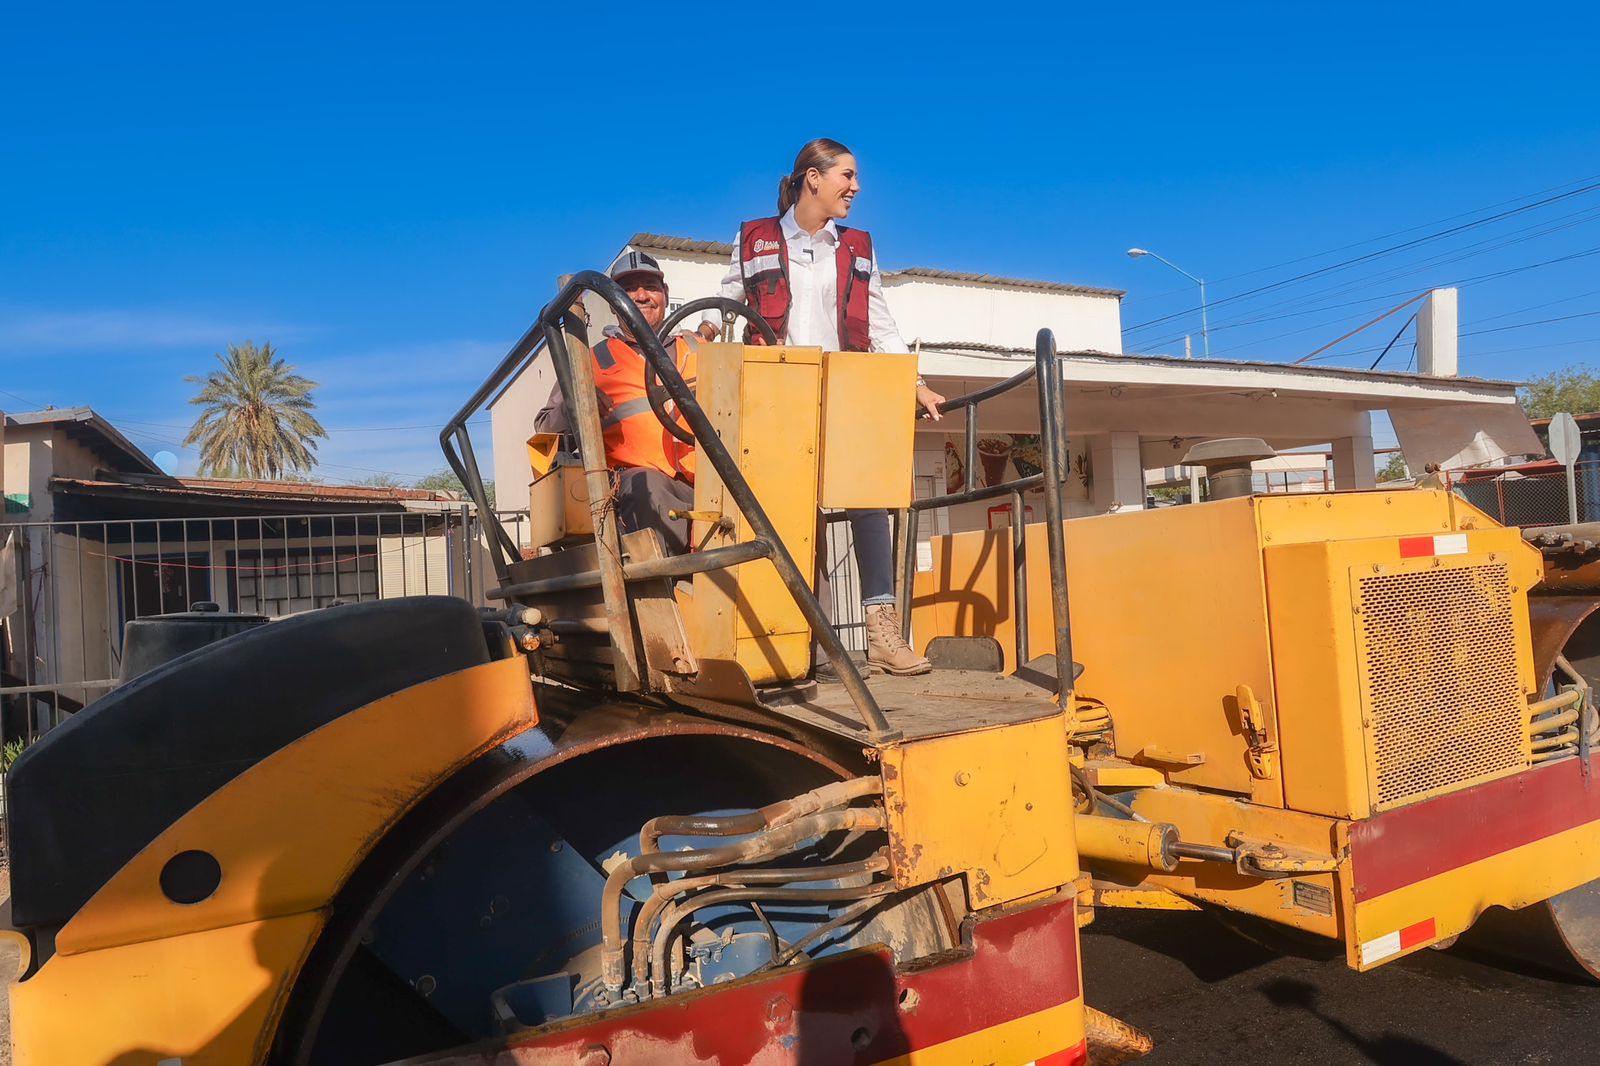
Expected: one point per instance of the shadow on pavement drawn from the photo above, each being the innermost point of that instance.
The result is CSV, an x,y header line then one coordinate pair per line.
x,y
1389,1049
1210,952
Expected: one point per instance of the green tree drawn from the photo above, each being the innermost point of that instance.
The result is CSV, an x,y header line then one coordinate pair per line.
x,y
257,420
1573,389
446,481
1395,469
380,481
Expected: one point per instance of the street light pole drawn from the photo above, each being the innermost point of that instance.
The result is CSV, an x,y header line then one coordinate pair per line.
x,y
1205,331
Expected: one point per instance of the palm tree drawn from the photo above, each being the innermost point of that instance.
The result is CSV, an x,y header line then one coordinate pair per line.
x,y
257,421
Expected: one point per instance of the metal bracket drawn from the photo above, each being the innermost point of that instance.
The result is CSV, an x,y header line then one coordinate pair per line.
x,y
1263,750
1268,859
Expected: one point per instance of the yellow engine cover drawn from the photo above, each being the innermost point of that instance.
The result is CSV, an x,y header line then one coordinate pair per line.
x,y
1375,686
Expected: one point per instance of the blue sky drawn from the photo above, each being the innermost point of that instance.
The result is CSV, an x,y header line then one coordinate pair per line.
x,y
388,192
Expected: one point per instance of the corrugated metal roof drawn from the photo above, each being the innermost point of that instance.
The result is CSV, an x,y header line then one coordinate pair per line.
x,y
239,488
1009,283
680,244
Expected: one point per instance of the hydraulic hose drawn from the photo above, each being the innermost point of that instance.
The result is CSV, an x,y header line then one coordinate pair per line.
x,y
860,910
836,794
666,893
752,849
676,914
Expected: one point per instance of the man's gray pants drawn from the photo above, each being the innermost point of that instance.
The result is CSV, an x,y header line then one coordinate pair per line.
x,y
644,497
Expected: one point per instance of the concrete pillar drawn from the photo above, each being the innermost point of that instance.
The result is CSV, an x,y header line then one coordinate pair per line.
x,y
1437,334
1118,471
1352,460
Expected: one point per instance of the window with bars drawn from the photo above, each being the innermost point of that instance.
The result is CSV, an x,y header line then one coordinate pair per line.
x,y
276,582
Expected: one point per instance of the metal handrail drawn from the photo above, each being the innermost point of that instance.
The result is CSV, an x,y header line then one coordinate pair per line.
x,y
576,378
1046,373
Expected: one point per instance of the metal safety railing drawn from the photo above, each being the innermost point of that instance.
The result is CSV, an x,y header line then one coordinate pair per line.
x,y
1046,376
574,371
68,588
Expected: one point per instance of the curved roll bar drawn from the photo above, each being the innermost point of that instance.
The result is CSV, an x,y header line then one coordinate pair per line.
x,y
576,377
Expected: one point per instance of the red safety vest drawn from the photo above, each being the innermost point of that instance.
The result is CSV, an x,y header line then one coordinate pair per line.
x,y
633,434
764,263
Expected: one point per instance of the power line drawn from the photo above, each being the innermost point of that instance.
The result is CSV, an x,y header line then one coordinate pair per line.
x,y
1391,250
1482,332
1455,255
1461,283
1369,240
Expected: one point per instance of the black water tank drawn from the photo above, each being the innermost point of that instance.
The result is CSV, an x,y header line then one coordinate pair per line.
x,y
149,642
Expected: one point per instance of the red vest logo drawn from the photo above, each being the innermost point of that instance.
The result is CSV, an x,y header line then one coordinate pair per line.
x,y
765,246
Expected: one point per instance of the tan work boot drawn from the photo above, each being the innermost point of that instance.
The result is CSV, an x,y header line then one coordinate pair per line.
x,y
886,648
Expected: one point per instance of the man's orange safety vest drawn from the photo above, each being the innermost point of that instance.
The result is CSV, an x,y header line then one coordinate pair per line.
x,y
633,434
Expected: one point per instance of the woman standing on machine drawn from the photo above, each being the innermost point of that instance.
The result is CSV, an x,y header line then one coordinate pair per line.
x,y
817,284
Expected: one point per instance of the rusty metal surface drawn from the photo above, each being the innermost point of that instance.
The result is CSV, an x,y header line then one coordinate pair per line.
x,y
1571,557
1554,620
847,1009
933,704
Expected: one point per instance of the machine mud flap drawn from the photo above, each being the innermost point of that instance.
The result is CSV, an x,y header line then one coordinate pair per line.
x,y
1424,872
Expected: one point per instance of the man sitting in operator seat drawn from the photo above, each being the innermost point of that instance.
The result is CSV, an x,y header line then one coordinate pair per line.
x,y
654,471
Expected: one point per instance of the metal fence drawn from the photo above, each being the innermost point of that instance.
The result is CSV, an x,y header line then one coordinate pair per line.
x,y
1534,495
67,589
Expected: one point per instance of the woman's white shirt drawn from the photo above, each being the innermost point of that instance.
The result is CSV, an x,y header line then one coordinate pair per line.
x,y
814,291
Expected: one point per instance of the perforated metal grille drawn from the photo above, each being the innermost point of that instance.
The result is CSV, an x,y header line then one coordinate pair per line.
x,y
1439,649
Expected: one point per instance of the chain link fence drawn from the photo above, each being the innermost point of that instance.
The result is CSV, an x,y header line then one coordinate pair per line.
x,y
1534,494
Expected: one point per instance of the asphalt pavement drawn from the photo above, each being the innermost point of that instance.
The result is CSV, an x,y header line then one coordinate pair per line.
x,y
1208,995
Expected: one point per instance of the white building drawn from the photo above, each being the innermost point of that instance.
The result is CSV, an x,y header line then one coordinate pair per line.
x,y
1126,414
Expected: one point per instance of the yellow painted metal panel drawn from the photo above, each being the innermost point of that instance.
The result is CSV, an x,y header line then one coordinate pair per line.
x,y
289,830
1311,517
994,805
1143,898
1020,1040
558,506
766,405
1451,650
1454,900
1321,739
868,420
208,998
1169,618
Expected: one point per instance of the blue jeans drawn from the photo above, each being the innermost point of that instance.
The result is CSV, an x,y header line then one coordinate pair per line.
x,y
874,555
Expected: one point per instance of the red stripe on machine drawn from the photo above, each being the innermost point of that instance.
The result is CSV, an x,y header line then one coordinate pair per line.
x,y
1445,544
1073,1056
1422,840
848,1009
1416,935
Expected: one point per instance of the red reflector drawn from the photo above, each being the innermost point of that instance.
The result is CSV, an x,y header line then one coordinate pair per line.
x,y
1073,1056
1411,547
1421,933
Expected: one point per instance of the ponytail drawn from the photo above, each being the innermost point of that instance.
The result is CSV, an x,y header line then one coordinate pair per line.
x,y
820,154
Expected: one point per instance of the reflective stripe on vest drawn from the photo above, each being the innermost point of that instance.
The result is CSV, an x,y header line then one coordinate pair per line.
x,y
764,268
634,437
